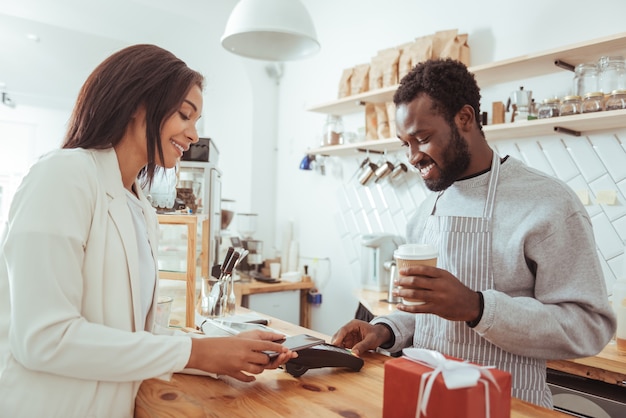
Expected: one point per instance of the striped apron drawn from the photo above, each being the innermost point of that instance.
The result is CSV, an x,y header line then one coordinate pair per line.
x,y
465,251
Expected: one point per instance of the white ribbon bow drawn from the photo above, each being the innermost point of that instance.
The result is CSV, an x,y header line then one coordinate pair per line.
x,y
456,375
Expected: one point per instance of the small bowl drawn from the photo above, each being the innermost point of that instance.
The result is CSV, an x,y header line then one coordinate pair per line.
x,y
291,276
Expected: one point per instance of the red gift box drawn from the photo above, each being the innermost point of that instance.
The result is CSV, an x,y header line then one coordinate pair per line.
x,y
403,378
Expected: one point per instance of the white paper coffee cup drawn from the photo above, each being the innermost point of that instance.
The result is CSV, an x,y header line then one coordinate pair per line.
x,y
275,270
408,255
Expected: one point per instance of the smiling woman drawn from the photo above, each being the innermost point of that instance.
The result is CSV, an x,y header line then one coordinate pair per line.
x,y
81,214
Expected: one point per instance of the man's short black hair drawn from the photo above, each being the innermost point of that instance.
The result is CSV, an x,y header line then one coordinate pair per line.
x,y
448,83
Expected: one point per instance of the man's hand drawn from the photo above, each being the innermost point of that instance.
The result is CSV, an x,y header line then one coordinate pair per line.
x,y
443,294
361,336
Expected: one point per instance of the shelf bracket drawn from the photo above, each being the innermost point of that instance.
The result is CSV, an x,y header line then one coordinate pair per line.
x,y
371,151
566,131
564,65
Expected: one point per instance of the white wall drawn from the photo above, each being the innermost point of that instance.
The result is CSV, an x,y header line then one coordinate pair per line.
x,y
25,133
263,130
351,32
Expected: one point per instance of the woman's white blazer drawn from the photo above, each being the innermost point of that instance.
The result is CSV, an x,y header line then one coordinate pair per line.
x,y
71,343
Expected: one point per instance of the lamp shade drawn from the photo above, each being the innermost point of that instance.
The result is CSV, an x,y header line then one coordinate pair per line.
x,y
271,30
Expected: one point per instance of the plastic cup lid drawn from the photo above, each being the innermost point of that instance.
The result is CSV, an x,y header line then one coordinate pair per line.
x,y
416,252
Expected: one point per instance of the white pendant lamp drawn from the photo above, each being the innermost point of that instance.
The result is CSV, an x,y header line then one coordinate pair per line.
x,y
271,30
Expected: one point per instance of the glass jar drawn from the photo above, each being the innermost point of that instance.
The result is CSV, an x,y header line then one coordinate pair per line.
x,y
570,105
333,130
585,79
593,102
549,108
616,101
612,74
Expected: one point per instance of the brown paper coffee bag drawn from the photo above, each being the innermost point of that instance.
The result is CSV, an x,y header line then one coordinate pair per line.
x,y
464,54
404,60
390,58
419,51
344,83
359,82
457,49
382,122
370,122
391,118
441,39
377,67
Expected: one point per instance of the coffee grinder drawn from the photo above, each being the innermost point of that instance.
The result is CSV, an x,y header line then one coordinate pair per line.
x,y
226,235
247,225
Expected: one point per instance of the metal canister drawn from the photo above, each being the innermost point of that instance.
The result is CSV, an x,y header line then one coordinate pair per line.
x,y
400,170
382,171
369,171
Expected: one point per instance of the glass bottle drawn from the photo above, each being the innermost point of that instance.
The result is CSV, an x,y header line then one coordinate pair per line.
x,y
616,101
612,73
549,108
333,130
593,102
570,105
585,78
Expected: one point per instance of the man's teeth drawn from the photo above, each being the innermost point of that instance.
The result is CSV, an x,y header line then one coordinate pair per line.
x,y
177,146
425,170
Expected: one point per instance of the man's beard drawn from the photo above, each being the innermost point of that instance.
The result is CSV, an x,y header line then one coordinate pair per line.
x,y
456,159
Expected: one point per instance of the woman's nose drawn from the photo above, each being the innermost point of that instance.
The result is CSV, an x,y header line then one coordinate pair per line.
x,y
192,134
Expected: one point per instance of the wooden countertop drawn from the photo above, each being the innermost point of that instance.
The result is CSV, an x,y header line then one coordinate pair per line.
x,y
318,393
607,366
254,286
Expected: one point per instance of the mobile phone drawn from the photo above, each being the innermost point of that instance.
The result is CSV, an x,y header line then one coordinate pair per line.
x,y
297,342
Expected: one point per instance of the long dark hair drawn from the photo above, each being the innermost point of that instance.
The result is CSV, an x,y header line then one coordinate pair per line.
x,y
137,75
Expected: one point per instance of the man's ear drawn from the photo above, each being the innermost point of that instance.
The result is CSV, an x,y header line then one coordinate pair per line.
x,y
465,118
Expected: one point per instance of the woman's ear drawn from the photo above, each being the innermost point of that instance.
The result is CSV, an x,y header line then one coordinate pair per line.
x,y
140,113
465,118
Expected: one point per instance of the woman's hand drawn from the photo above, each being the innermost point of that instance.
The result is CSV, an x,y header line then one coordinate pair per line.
x,y
237,356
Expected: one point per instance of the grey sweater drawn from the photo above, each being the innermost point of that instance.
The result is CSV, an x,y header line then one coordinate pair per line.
x,y
550,299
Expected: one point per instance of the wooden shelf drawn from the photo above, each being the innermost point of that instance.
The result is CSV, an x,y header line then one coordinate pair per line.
x,y
543,63
580,124
355,103
189,275
519,68
345,150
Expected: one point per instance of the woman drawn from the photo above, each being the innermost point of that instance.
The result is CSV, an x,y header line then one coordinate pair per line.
x,y
78,276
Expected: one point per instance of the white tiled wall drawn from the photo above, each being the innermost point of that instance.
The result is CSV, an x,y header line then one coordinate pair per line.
x,y
588,164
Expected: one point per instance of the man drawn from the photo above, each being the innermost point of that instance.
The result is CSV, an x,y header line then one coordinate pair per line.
x,y
518,280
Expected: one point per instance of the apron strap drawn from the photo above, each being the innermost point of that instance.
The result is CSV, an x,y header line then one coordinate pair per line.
x,y
491,192
493,180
